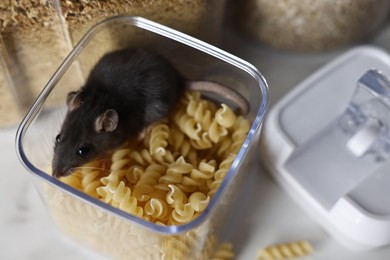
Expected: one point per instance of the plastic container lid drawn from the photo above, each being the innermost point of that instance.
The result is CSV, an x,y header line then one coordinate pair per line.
x,y
326,144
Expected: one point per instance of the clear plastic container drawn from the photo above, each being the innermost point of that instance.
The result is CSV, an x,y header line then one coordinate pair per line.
x,y
107,229
10,105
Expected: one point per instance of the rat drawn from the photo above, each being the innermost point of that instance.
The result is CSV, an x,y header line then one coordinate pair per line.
x,y
126,91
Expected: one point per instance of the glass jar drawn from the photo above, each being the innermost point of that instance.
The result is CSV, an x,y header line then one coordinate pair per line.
x,y
10,107
307,25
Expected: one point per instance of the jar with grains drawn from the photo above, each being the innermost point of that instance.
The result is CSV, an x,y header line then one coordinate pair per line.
x,y
309,25
9,101
199,18
38,34
34,43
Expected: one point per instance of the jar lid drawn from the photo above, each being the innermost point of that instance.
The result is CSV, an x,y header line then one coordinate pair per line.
x,y
326,144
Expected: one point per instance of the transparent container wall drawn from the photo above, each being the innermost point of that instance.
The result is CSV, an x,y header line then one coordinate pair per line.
x,y
107,229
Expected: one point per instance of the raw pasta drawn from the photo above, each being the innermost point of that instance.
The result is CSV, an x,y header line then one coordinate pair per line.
x,y
224,252
199,201
220,174
158,140
168,178
241,128
285,251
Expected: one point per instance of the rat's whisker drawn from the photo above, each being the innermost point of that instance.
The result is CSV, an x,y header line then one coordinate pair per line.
x,y
90,169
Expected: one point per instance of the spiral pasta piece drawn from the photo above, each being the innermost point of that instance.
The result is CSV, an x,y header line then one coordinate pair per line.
x,y
151,174
189,181
225,116
189,185
224,167
220,174
287,250
200,112
224,252
240,130
145,185
188,96
119,158
156,208
118,162
120,193
175,196
105,193
158,140
175,171
199,201
73,180
183,213
205,170
142,157
91,182
175,249
129,204
90,177
176,138
134,173
142,192
181,145
164,158
189,126
203,142
216,131
224,147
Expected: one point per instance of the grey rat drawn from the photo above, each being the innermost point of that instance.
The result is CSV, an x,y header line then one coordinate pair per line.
x,y
125,92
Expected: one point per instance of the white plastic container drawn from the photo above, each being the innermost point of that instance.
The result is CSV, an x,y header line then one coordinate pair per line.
x,y
332,161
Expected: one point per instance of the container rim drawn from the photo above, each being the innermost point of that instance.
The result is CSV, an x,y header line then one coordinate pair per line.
x,y
173,34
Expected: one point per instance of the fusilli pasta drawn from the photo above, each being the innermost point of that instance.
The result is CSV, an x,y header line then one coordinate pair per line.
x,y
158,140
224,252
285,251
90,178
168,178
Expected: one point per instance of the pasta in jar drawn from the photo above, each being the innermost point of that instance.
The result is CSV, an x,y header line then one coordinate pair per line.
x,y
170,177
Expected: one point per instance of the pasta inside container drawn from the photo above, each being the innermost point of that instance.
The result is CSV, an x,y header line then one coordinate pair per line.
x,y
98,225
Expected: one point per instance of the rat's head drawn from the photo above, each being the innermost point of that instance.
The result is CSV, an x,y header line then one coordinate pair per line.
x,y
87,132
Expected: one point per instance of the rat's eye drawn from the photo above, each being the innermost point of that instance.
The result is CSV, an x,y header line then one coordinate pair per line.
x,y
58,138
83,151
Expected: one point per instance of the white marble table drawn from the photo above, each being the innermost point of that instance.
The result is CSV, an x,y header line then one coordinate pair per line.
x,y
268,214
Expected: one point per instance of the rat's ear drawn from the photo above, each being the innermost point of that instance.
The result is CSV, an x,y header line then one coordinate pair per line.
x,y
73,100
107,122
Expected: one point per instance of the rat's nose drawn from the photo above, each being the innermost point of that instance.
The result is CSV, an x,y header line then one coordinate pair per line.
x,y
56,174
59,170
